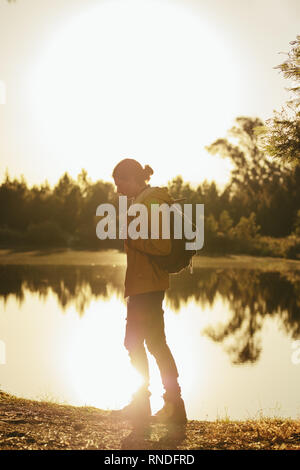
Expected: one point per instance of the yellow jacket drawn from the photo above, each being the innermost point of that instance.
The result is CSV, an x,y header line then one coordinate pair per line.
x,y
142,275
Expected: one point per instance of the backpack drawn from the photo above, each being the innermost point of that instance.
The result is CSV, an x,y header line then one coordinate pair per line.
x,y
179,258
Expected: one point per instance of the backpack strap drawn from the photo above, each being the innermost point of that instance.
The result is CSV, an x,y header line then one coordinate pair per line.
x,y
145,193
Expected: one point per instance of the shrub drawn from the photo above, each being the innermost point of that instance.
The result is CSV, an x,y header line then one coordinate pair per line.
x,y
46,233
10,237
297,224
225,222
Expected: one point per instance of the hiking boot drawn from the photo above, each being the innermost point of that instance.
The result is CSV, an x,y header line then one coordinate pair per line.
x,y
138,410
173,411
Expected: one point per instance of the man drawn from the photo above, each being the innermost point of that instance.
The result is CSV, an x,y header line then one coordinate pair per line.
x,y
145,286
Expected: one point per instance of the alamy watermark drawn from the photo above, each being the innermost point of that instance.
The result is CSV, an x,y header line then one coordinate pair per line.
x,y
2,92
139,225
2,353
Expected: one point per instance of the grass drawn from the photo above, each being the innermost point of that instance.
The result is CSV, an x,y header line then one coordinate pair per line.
x,y
62,257
116,258
35,425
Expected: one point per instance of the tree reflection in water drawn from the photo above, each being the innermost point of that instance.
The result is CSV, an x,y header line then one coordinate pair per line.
x,y
252,296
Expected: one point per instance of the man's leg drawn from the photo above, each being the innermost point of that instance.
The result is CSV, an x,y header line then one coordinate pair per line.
x,y
138,410
157,344
135,336
174,409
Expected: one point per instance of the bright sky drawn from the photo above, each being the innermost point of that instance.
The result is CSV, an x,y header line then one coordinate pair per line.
x,y
89,82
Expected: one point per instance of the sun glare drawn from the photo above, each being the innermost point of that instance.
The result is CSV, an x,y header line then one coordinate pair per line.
x,y
146,79
97,365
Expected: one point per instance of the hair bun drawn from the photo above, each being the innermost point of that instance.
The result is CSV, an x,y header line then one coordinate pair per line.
x,y
128,167
148,172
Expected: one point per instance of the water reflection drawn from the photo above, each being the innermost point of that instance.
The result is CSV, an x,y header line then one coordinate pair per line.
x,y
252,296
70,284
252,316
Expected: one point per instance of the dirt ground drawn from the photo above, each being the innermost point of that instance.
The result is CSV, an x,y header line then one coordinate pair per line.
x,y
34,425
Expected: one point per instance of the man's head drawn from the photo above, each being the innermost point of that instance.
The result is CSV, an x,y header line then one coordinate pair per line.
x,y
130,177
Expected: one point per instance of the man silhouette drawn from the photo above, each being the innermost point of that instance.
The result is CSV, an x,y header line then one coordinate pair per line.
x,y
145,286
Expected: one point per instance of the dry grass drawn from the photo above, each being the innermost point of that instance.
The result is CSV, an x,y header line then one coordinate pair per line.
x,y
33,425
113,257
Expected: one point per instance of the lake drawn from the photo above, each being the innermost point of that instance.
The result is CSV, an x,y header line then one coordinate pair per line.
x,y
234,333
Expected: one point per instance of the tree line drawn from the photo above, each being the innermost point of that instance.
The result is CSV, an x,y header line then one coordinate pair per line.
x,y
257,212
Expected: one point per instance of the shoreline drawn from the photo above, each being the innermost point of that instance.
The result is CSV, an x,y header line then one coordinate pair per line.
x,y
34,425
117,258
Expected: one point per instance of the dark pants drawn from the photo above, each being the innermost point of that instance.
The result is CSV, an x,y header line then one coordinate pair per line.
x,y
145,323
